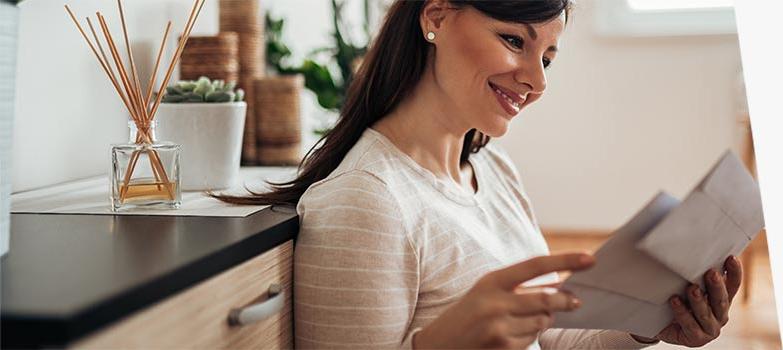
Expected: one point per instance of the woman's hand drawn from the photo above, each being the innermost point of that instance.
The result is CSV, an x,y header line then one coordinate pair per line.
x,y
499,313
700,320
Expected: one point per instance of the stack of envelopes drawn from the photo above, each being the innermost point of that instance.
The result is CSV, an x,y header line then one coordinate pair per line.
x,y
662,249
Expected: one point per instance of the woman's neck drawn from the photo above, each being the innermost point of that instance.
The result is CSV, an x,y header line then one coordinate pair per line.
x,y
424,127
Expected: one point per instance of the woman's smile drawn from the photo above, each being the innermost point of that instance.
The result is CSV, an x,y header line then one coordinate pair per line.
x,y
510,102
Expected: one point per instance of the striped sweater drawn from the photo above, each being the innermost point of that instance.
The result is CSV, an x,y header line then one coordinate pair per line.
x,y
385,246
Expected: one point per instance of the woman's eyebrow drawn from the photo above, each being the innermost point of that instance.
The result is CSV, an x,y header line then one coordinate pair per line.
x,y
533,34
531,31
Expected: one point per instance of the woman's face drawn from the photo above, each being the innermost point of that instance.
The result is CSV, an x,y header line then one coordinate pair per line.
x,y
489,69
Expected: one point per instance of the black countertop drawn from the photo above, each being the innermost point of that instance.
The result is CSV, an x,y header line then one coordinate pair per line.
x,y
68,275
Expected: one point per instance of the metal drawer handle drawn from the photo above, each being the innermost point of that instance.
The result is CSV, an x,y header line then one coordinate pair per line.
x,y
260,311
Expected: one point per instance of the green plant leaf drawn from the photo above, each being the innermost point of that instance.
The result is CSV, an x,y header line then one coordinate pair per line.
x,y
330,88
173,98
193,97
186,85
219,96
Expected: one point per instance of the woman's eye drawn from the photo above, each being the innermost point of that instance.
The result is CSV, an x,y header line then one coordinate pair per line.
x,y
515,41
546,62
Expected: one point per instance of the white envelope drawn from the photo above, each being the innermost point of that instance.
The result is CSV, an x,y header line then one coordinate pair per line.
x,y
662,249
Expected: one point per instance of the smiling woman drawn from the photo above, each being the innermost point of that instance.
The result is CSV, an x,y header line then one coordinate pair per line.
x,y
415,230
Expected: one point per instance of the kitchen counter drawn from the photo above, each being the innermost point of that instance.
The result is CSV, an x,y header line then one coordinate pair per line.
x,y
68,275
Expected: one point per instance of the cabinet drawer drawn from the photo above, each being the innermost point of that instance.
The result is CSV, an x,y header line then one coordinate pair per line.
x,y
197,317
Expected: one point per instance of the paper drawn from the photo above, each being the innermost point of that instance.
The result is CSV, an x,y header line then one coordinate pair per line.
x,y
91,196
662,249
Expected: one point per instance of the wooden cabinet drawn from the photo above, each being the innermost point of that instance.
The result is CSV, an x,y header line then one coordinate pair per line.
x,y
197,317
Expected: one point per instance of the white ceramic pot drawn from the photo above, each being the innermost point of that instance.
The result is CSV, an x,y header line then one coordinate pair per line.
x,y
211,139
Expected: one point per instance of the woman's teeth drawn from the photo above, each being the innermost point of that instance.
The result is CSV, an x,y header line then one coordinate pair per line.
x,y
510,101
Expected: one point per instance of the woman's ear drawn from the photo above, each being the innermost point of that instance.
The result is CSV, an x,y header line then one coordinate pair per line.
x,y
432,15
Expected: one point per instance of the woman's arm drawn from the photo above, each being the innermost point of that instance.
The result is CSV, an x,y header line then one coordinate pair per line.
x,y
356,271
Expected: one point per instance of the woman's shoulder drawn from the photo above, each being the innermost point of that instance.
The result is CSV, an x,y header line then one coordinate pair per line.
x,y
500,160
356,203
348,186
369,164
361,180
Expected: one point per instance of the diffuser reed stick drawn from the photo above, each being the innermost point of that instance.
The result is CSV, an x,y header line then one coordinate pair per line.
x,y
128,86
140,119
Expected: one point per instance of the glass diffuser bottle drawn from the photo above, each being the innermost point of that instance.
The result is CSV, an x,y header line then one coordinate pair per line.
x,y
145,172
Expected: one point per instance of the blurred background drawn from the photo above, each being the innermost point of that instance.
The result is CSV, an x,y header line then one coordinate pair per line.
x,y
643,97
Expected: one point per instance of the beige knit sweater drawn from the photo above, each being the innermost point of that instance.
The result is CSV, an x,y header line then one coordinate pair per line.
x,y
385,246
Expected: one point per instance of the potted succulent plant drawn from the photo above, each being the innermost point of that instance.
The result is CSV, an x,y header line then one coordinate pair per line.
x,y
9,25
207,118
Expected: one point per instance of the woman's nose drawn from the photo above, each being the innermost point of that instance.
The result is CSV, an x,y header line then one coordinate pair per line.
x,y
532,75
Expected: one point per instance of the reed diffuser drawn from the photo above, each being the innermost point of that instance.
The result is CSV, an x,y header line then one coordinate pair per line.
x,y
145,171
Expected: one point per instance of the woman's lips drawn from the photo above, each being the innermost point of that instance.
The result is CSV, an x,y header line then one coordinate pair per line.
x,y
510,105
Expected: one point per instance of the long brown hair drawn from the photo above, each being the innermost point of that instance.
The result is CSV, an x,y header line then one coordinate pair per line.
x,y
390,70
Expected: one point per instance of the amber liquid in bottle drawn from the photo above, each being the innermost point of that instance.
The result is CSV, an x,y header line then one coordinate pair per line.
x,y
149,191
145,174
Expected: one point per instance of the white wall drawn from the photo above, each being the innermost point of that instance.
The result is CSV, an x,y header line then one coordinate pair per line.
x,y
622,119
67,112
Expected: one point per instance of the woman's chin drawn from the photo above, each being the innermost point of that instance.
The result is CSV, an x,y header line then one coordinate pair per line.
x,y
497,130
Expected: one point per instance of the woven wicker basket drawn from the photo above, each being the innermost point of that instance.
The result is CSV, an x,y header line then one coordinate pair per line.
x,y
278,119
245,17
213,56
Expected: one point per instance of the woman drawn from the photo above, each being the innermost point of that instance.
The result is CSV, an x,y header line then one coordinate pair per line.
x,y
415,230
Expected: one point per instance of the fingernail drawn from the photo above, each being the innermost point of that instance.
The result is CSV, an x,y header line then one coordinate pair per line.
x,y
575,303
676,301
696,292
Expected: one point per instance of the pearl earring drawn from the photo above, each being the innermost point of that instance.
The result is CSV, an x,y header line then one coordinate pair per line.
x,y
430,36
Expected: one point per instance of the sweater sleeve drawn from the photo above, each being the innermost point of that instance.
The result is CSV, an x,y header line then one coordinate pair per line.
x,y
356,272
558,338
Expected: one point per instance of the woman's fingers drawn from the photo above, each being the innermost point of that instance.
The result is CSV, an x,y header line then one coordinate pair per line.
x,y
542,300
511,332
733,276
718,296
529,324
510,277
702,311
688,324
